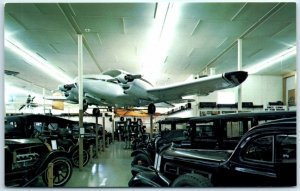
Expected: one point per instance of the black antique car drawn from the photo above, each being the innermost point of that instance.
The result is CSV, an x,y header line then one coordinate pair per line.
x,y
209,132
27,159
144,155
62,134
265,156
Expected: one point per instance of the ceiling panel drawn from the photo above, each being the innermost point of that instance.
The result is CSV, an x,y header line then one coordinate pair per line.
x,y
114,10
101,25
119,36
209,11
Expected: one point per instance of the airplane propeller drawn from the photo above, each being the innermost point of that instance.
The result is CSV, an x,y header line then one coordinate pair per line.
x,y
124,78
130,77
29,102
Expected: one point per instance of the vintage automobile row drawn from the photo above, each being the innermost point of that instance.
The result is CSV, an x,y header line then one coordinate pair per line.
x,y
34,141
203,153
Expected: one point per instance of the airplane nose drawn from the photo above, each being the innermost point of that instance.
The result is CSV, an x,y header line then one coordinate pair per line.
x,y
236,77
61,88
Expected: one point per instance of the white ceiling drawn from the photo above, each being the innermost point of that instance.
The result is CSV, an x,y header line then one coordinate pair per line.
x,y
118,35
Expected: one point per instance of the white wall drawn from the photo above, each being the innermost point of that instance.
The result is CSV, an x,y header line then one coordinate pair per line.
x,y
262,89
258,89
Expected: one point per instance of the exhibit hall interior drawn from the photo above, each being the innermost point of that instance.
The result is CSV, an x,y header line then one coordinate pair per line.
x,y
150,94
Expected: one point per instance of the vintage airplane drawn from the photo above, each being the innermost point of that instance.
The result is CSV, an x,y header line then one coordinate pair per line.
x,y
29,103
117,88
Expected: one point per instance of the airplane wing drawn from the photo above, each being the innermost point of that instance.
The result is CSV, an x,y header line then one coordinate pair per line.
x,y
201,86
56,98
114,73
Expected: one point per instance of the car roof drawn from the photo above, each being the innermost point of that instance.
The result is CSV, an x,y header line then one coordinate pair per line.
x,y
285,124
265,115
38,118
170,120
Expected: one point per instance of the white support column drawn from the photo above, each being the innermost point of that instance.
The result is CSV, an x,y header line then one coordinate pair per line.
x,y
80,97
239,67
103,133
44,107
113,125
80,71
97,137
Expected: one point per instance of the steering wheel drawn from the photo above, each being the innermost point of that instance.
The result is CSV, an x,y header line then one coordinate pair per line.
x,y
35,134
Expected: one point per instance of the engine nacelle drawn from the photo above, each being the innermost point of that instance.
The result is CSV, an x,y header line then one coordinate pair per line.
x,y
66,87
136,91
124,78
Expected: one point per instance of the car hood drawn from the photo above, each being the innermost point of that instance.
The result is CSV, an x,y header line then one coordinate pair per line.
x,y
199,155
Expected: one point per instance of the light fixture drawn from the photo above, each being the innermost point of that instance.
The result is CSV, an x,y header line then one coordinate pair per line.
x,y
37,61
271,61
160,39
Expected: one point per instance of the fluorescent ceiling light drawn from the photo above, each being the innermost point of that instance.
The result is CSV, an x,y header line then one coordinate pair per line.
x,y
160,39
271,61
37,61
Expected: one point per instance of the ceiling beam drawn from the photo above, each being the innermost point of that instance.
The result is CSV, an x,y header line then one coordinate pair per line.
x,y
238,12
69,14
264,18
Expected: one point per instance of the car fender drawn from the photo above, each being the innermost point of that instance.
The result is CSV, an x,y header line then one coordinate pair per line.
x,y
50,156
143,151
147,179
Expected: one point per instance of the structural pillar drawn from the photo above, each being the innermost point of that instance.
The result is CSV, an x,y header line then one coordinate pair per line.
x,y
80,96
239,67
151,126
113,126
44,107
97,136
103,133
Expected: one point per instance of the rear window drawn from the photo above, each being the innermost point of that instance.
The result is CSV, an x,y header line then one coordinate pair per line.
x,y
285,147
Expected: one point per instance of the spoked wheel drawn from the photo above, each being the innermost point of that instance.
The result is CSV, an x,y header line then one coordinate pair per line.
x,y
75,157
62,171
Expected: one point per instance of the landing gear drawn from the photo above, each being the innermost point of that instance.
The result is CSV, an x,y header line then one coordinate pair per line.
x,y
96,112
151,109
85,105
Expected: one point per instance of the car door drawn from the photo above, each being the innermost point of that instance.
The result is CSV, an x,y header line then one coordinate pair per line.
x,y
285,159
255,165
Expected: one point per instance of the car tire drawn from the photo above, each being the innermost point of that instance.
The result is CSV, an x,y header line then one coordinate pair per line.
x,y
62,171
75,157
141,159
191,180
136,183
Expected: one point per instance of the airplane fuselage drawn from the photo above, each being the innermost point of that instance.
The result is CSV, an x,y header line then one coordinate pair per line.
x,y
102,91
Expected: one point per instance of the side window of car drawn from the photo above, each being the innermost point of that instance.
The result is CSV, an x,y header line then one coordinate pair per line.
x,y
38,126
53,126
205,131
285,147
260,149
